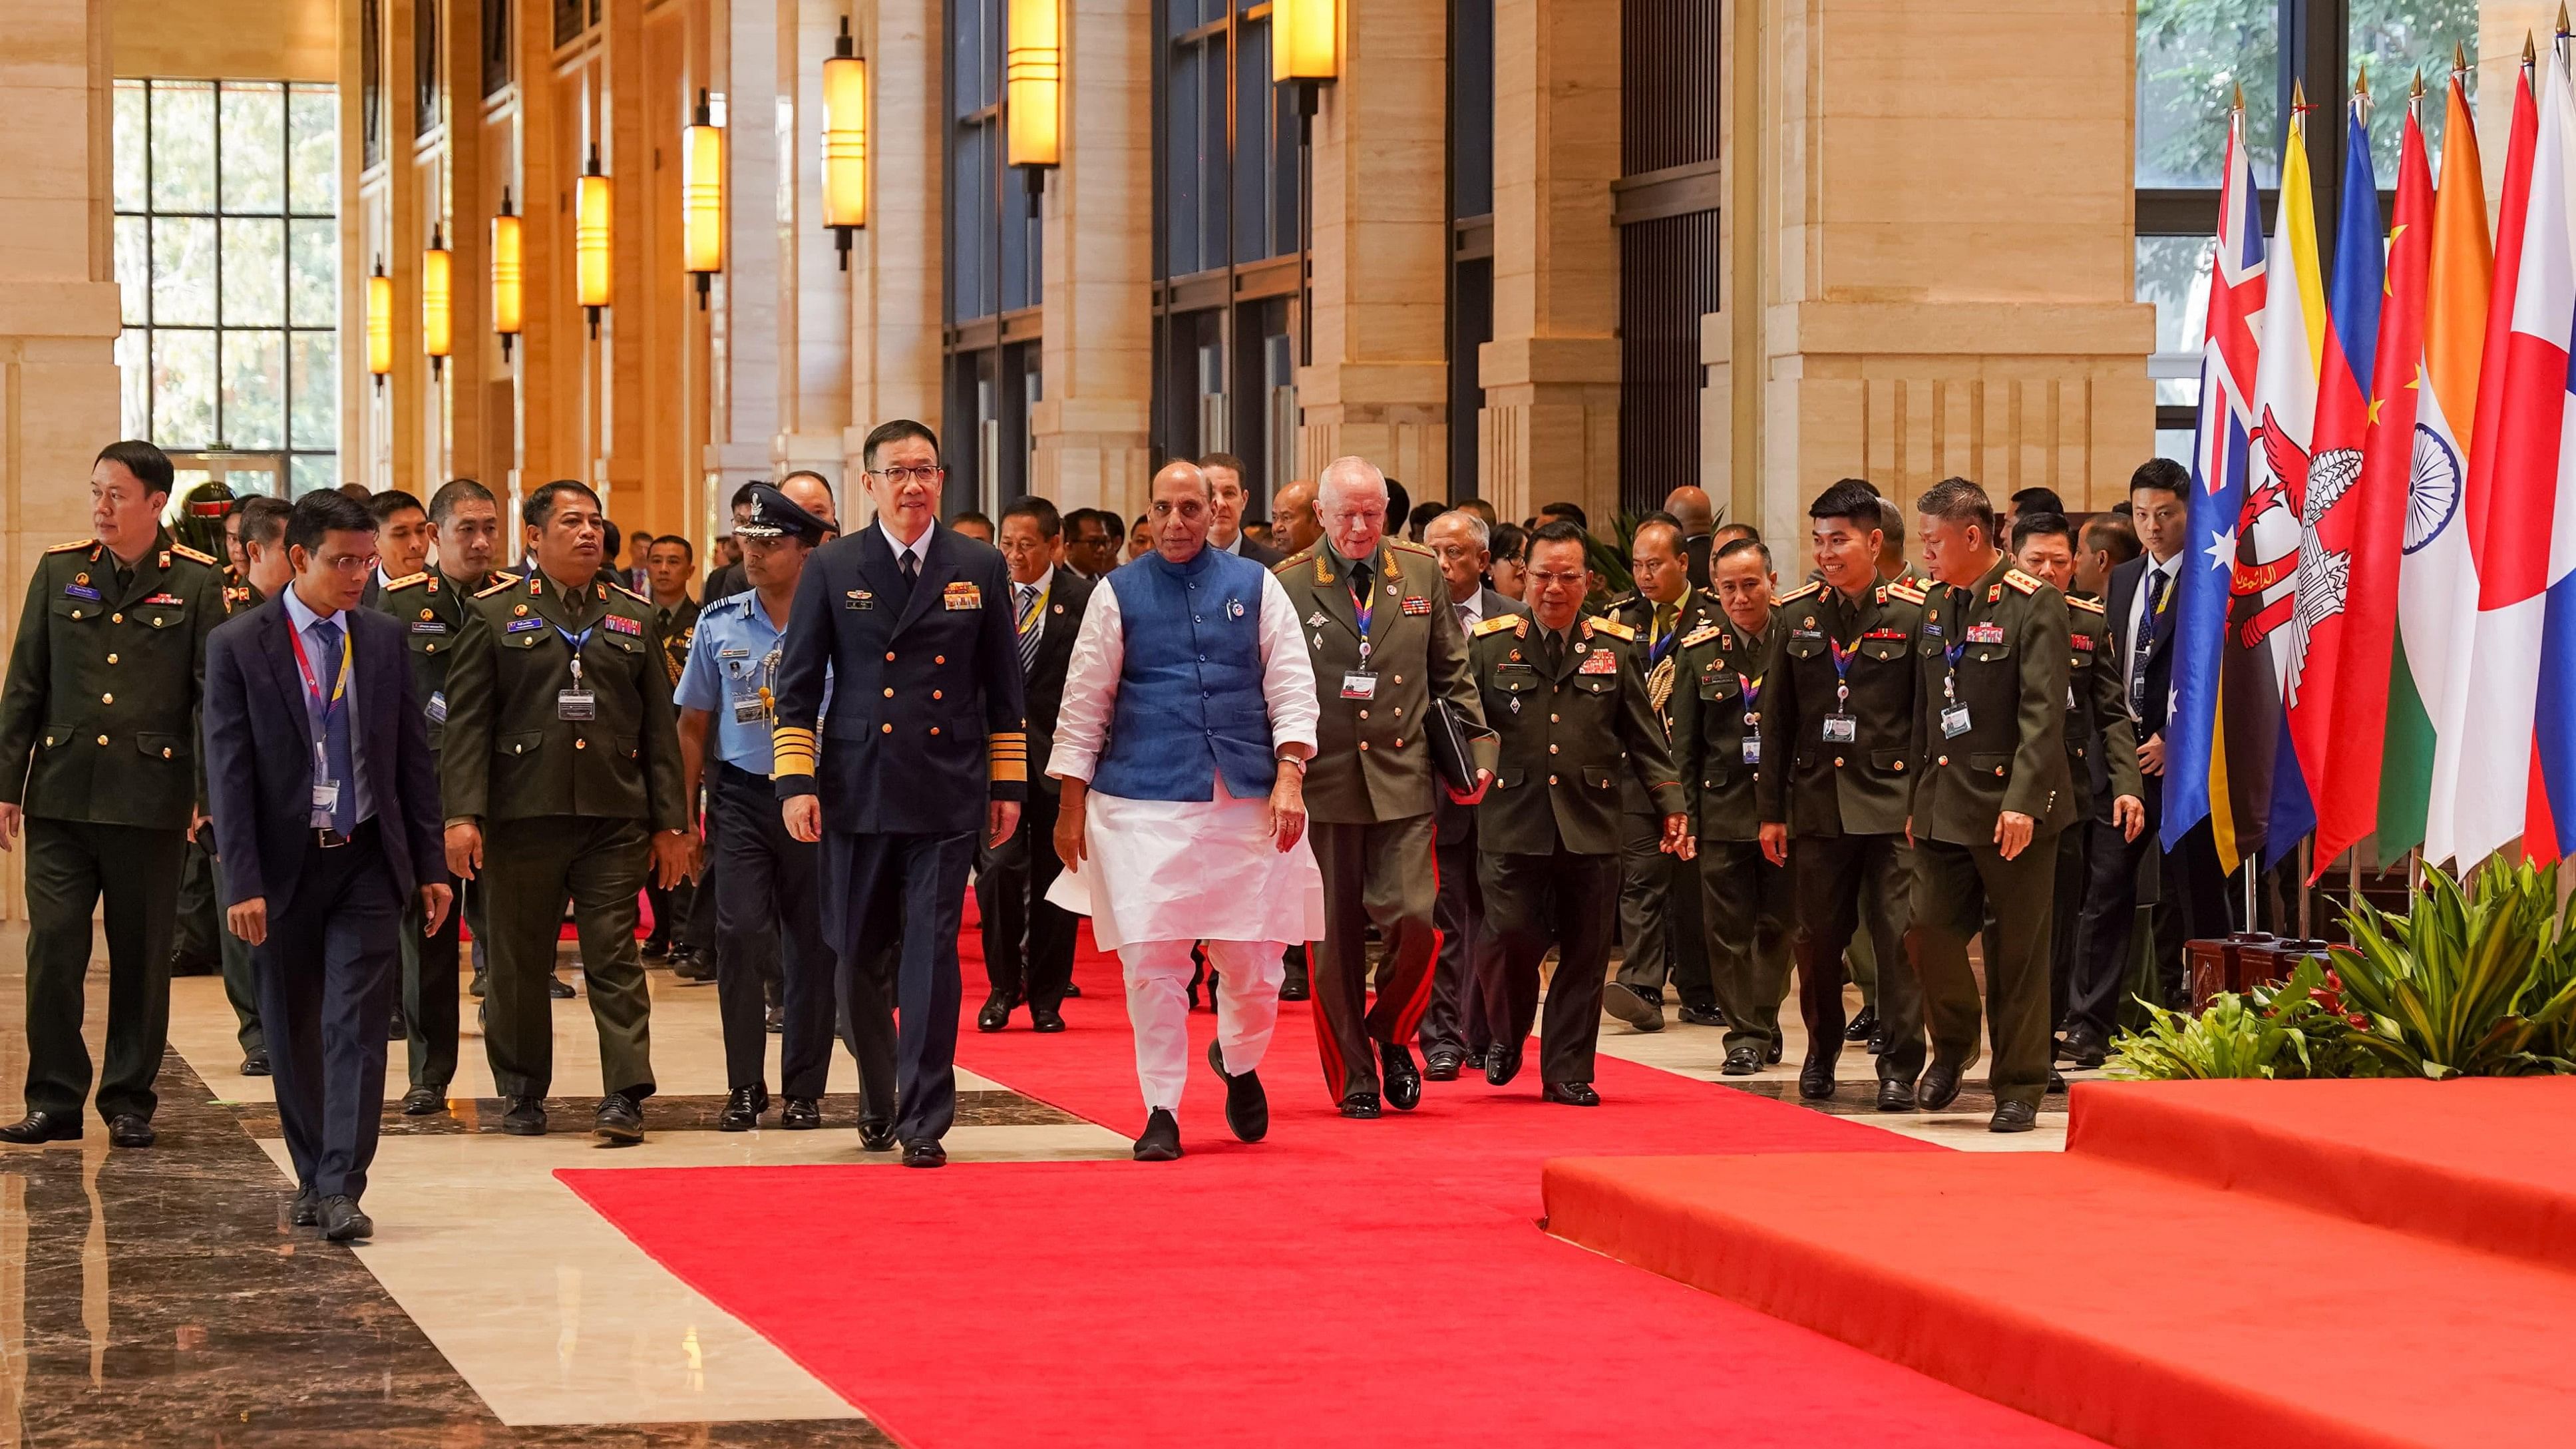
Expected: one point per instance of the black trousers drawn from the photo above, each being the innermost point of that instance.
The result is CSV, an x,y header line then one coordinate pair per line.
x,y
1028,940
241,987
1832,872
2066,916
1532,902
1456,1019
133,874
767,910
1660,924
326,980
1751,914
2190,903
1954,887
878,890
429,968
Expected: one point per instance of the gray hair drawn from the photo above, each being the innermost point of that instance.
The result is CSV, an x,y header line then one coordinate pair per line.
x,y
1476,525
1351,471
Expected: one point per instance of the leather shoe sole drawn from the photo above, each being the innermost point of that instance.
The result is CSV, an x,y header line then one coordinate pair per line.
x,y
1940,1087
422,1101
2014,1117
1570,1094
128,1130
1895,1096
1630,1005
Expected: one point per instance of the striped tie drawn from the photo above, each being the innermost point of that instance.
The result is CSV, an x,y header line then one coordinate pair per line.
x,y
1028,613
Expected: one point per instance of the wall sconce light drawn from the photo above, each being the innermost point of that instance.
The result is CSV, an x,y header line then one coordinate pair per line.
x,y
590,239
845,142
437,302
702,198
1305,50
380,324
508,275
1033,74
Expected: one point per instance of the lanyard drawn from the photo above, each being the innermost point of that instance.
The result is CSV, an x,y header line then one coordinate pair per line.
x,y
576,641
1664,642
327,709
1364,607
1037,607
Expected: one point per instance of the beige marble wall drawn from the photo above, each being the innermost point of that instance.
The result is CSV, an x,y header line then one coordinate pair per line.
x,y
229,39
813,346
895,277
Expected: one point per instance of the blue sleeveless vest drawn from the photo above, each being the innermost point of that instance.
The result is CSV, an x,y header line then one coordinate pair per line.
x,y
1190,701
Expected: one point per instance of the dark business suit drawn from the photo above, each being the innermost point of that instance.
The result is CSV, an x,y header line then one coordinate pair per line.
x,y
926,727
1028,942
1257,551
326,971
1456,1019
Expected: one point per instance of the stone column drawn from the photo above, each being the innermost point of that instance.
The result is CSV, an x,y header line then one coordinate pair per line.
x,y
1550,428
1097,353
896,282
1378,382
743,393
813,316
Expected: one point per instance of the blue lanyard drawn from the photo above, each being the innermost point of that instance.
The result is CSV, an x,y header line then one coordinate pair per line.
x,y
1842,659
576,640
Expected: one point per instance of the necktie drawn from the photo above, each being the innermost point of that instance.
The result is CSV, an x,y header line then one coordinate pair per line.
x,y
335,733
1028,614
911,567
1360,585
1553,650
1466,618
2145,643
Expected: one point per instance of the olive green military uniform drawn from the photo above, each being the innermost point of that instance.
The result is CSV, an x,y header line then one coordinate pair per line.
x,y
1371,786
1837,730
1661,931
567,806
98,743
2101,766
1576,725
674,907
201,930
1997,651
1746,901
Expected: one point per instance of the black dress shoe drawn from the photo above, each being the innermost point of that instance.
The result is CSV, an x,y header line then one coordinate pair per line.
x,y
1940,1087
1878,1040
995,1015
924,1154
1161,1139
342,1222
1771,1058
2056,1083
1295,991
1403,1079
1744,1061
1442,1066
775,1022
306,1210
476,987
695,968
1046,1019
524,1117
422,1101
1895,1095
1698,1015
656,947
1072,992
2014,1117
255,1064
876,1135
742,1109
1640,1006
1361,1106
129,1129
1570,1094
1247,1103
1862,1025
1816,1079
1502,1063
188,963
620,1120
397,1029
801,1114
558,988
2086,1051
1476,1058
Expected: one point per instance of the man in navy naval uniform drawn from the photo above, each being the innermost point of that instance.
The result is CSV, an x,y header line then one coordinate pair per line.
x,y
925,745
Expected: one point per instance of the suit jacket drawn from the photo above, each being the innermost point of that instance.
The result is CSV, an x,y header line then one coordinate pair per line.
x,y
1259,552
1457,823
1068,595
259,754
928,721
2118,599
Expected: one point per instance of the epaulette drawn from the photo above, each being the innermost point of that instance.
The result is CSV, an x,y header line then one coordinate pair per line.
x,y
1409,546
506,583
1701,635
1624,600
74,544
1613,628
1496,624
1803,590
1896,589
183,551
406,581
2090,606
2022,582
1292,561
630,593
504,578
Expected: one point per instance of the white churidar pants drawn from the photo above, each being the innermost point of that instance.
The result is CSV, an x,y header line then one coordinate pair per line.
x,y
1158,978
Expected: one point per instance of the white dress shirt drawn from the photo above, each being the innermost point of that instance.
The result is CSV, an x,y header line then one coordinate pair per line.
x,y
301,618
919,548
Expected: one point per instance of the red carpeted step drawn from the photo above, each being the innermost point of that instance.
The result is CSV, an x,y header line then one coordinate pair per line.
x,y
2483,1162
2144,1309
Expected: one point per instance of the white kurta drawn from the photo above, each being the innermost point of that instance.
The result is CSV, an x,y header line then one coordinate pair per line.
x,y
1185,870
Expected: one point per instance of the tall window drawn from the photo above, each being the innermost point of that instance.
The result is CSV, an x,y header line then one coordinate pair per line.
x,y
227,255
1665,204
993,259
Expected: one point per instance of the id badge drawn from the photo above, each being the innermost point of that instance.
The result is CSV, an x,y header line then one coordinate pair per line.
x,y
326,801
576,704
1841,729
436,709
748,709
1359,684
1954,721
1753,749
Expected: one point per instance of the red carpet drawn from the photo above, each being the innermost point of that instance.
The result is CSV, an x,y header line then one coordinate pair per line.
x,y
2205,1270
1342,1283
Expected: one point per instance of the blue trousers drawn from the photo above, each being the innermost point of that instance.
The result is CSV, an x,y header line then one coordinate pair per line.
x,y
879,890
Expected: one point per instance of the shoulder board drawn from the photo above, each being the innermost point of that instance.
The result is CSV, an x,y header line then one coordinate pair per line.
x,y
1623,601
630,593
1409,546
1896,590
1701,635
1495,625
74,544
1292,561
504,578
506,582
1614,629
2090,606
1806,589
406,581
183,551
2021,582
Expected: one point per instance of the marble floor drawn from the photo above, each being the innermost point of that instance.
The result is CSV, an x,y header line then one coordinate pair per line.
x,y
161,1297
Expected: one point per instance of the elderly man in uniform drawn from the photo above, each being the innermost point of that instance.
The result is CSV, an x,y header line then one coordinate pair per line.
x,y
1457,1029
1188,718
1385,643
1990,797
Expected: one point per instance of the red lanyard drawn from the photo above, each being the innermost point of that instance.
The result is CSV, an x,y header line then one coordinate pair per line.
x,y
312,685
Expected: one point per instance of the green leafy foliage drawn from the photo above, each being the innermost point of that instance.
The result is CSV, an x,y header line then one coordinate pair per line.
x,y
2474,981
2292,1030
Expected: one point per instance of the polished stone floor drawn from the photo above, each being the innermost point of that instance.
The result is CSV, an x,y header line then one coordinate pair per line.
x,y
161,1298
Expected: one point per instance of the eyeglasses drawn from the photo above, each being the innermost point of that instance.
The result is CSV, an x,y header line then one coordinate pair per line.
x,y
349,563
900,476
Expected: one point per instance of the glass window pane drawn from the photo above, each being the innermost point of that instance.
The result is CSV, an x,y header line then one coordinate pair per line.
x,y
313,162
254,146
183,388
183,145
131,146
2192,55
254,272
313,273
314,378
2174,443
134,271
2173,273
183,271
2394,41
254,394
310,471
134,377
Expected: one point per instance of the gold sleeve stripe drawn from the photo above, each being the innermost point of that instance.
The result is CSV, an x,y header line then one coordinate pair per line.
x,y
1008,756
791,751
